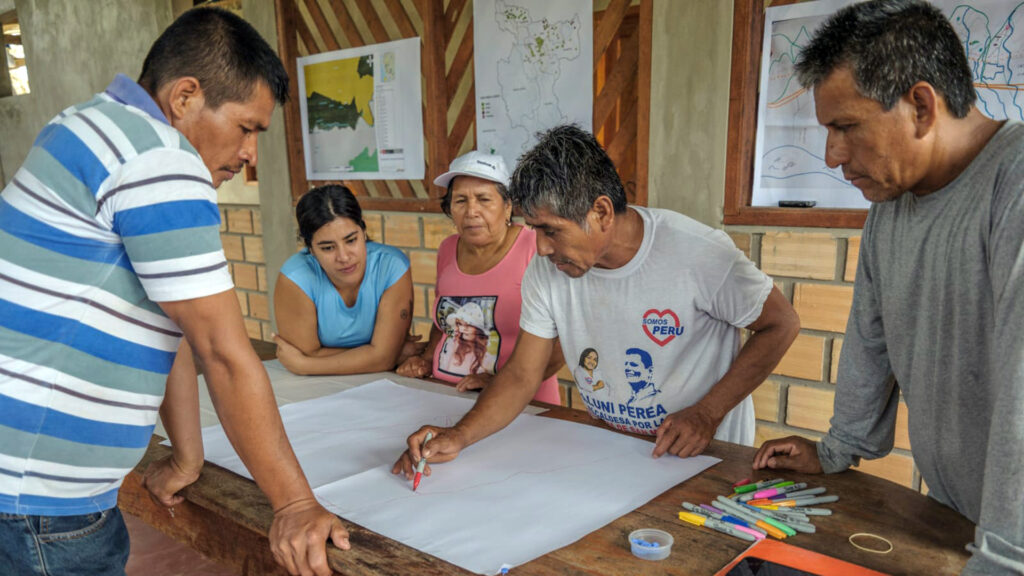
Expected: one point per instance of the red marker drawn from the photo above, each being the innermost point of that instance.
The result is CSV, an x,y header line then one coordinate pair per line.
x,y
422,463
741,482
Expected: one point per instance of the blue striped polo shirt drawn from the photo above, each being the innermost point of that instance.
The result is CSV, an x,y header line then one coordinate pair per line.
x,y
112,212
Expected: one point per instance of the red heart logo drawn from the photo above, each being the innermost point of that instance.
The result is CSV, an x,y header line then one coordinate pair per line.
x,y
657,319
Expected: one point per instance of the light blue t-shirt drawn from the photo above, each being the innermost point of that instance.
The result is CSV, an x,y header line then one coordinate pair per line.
x,y
339,326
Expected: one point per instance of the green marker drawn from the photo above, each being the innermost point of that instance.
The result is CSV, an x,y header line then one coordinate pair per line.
x,y
757,486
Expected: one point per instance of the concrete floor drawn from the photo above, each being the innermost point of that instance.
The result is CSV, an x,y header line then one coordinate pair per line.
x,y
155,554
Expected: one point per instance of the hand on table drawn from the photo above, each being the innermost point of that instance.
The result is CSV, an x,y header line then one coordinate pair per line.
x,y
790,453
685,433
415,367
474,382
299,534
444,446
291,357
165,478
412,348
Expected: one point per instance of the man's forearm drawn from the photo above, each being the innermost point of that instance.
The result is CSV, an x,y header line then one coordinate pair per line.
x,y
555,360
498,405
179,411
756,360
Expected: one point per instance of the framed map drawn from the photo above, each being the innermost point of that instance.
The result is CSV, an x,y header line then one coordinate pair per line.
x,y
361,112
789,161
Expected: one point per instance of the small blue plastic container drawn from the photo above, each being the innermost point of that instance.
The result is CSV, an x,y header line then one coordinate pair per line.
x,y
650,544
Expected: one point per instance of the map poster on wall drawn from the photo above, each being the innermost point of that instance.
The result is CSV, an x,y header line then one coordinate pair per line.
x,y
789,162
534,71
362,113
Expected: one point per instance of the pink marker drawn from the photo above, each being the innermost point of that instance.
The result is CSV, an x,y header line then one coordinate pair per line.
x,y
754,533
769,492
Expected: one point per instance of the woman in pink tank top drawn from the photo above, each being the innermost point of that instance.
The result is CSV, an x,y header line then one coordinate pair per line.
x,y
479,275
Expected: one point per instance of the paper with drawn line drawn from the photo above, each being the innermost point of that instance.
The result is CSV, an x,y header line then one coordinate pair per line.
x,y
536,486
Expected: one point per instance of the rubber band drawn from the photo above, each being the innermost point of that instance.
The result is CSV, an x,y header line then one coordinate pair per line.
x,y
869,535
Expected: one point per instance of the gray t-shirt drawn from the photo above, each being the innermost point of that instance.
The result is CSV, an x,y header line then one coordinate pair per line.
x,y
937,312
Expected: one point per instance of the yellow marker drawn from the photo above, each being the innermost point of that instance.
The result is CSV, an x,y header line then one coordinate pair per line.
x,y
695,519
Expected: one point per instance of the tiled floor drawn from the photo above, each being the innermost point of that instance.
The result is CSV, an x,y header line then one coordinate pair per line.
x,y
154,554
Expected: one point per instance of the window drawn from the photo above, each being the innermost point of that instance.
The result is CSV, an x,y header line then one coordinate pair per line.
x,y
15,74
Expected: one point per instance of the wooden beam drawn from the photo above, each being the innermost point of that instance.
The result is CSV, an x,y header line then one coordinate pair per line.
x,y
287,47
607,28
465,119
12,39
643,100
345,21
401,18
451,19
373,21
460,64
320,20
624,71
435,122
747,27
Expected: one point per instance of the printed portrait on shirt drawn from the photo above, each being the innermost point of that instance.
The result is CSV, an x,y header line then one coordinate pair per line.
x,y
586,373
472,342
639,372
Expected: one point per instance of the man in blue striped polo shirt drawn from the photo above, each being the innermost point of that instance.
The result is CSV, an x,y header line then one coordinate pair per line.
x,y
109,253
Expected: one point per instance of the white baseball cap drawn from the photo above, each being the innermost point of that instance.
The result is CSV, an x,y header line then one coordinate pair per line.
x,y
485,166
471,314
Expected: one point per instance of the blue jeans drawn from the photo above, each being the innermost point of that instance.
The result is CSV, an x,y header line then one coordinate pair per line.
x,y
88,545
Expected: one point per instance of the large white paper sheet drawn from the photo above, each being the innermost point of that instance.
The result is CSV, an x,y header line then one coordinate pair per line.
x,y
534,487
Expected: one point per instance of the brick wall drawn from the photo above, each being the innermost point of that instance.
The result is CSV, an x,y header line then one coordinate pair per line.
x,y
241,233
815,271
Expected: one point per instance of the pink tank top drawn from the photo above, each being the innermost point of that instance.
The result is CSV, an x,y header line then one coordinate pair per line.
x,y
478,314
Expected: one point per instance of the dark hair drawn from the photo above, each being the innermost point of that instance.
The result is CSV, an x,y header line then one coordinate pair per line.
x,y
586,352
222,51
645,357
564,174
446,200
324,204
890,45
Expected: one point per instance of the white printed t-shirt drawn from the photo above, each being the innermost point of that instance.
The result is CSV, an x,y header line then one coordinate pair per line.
x,y
664,325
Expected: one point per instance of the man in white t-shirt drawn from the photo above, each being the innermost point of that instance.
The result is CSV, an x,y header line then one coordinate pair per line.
x,y
649,290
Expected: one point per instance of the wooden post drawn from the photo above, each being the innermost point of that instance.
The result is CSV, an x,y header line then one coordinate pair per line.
x,y
435,121
288,51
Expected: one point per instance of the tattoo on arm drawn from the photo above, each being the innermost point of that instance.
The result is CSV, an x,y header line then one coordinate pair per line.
x,y
405,314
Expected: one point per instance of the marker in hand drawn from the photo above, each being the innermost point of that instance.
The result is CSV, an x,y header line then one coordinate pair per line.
x,y
422,463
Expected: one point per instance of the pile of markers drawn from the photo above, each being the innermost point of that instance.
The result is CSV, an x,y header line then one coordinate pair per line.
x,y
775,508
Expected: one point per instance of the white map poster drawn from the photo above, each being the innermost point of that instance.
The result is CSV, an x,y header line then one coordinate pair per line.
x,y
789,162
534,70
361,112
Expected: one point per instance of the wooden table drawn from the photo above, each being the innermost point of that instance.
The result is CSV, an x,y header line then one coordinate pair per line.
x,y
226,518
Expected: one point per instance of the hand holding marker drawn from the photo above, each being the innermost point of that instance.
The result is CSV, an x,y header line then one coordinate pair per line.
x,y
422,463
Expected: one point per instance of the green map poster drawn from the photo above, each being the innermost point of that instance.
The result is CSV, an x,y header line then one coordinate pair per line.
x,y
361,113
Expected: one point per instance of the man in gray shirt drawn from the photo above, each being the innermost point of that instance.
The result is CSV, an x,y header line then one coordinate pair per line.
x,y
939,295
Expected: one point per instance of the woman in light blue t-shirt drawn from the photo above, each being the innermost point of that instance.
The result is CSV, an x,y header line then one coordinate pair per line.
x,y
343,304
